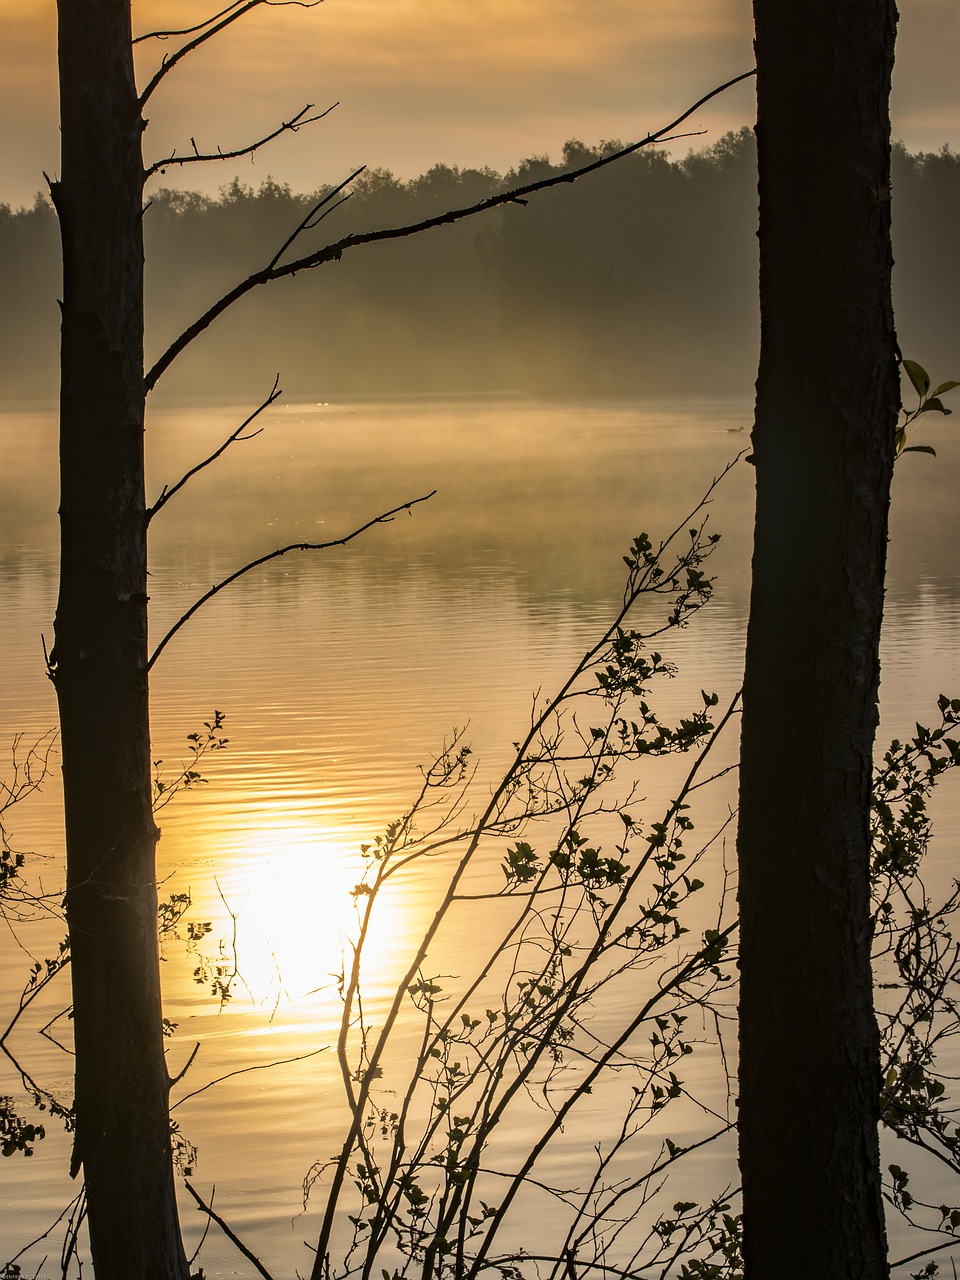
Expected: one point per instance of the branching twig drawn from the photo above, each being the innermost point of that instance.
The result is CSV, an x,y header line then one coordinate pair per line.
x,y
924,1253
39,980
74,1223
203,1235
520,1037
175,1080
204,157
28,769
166,494
311,220
188,31
334,252
241,1071
8,1266
228,1232
209,28
385,518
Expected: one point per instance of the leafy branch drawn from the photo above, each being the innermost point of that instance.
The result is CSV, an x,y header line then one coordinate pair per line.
x,y
928,401
917,963
582,918
210,738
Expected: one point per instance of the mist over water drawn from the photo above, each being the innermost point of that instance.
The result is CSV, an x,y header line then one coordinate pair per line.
x,y
565,375
341,672
638,280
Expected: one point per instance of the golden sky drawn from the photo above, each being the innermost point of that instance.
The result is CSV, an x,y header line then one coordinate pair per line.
x,y
467,82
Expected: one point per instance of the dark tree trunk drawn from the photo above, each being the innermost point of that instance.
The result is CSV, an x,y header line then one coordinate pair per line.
x,y
827,401
100,656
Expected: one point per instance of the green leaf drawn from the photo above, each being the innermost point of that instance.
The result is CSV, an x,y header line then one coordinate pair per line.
x,y
933,405
918,377
920,448
945,386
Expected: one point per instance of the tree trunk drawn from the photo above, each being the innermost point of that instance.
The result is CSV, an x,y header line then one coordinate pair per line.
x,y
100,656
827,402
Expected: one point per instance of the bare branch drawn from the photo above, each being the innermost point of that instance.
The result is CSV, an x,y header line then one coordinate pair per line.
x,y
937,1248
385,518
334,252
209,28
231,1235
188,31
38,983
241,1071
187,1065
311,220
166,494
70,1209
213,26
28,769
204,157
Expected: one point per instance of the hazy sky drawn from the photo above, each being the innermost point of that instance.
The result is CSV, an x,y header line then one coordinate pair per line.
x,y
467,82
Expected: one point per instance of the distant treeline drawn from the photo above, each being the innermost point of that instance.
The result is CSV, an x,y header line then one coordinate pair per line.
x,y
640,279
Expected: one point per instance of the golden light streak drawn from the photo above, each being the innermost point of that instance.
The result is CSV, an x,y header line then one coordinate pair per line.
x,y
283,919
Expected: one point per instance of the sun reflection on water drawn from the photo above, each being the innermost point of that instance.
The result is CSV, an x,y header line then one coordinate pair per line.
x,y
283,917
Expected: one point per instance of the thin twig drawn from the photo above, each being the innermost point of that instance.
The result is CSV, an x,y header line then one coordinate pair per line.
x,y
241,1071
642,580
166,494
8,1265
953,1243
334,252
203,1235
204,157
385,518
73,1233
216,24
188,31
30,993
186,1067
309,222
688,968
230,1234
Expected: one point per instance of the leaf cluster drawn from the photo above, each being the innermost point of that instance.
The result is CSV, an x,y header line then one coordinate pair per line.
x,y
591,900
917,963
928,401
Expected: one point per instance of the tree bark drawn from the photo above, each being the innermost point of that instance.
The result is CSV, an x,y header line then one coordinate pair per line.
x,y
99,662
827,404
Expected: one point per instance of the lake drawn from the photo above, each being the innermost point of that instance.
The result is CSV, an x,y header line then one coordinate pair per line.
x,y
340,673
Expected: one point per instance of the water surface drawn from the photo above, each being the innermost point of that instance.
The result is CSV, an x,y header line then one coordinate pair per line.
x,y
341,672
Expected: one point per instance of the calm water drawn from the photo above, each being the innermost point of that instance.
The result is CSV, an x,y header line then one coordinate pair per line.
x,y
340,673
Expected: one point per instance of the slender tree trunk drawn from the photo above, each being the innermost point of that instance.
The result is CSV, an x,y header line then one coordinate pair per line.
x,y
100,656
827,402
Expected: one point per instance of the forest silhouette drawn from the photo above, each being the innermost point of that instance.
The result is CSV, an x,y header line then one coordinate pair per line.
x,y
639,282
